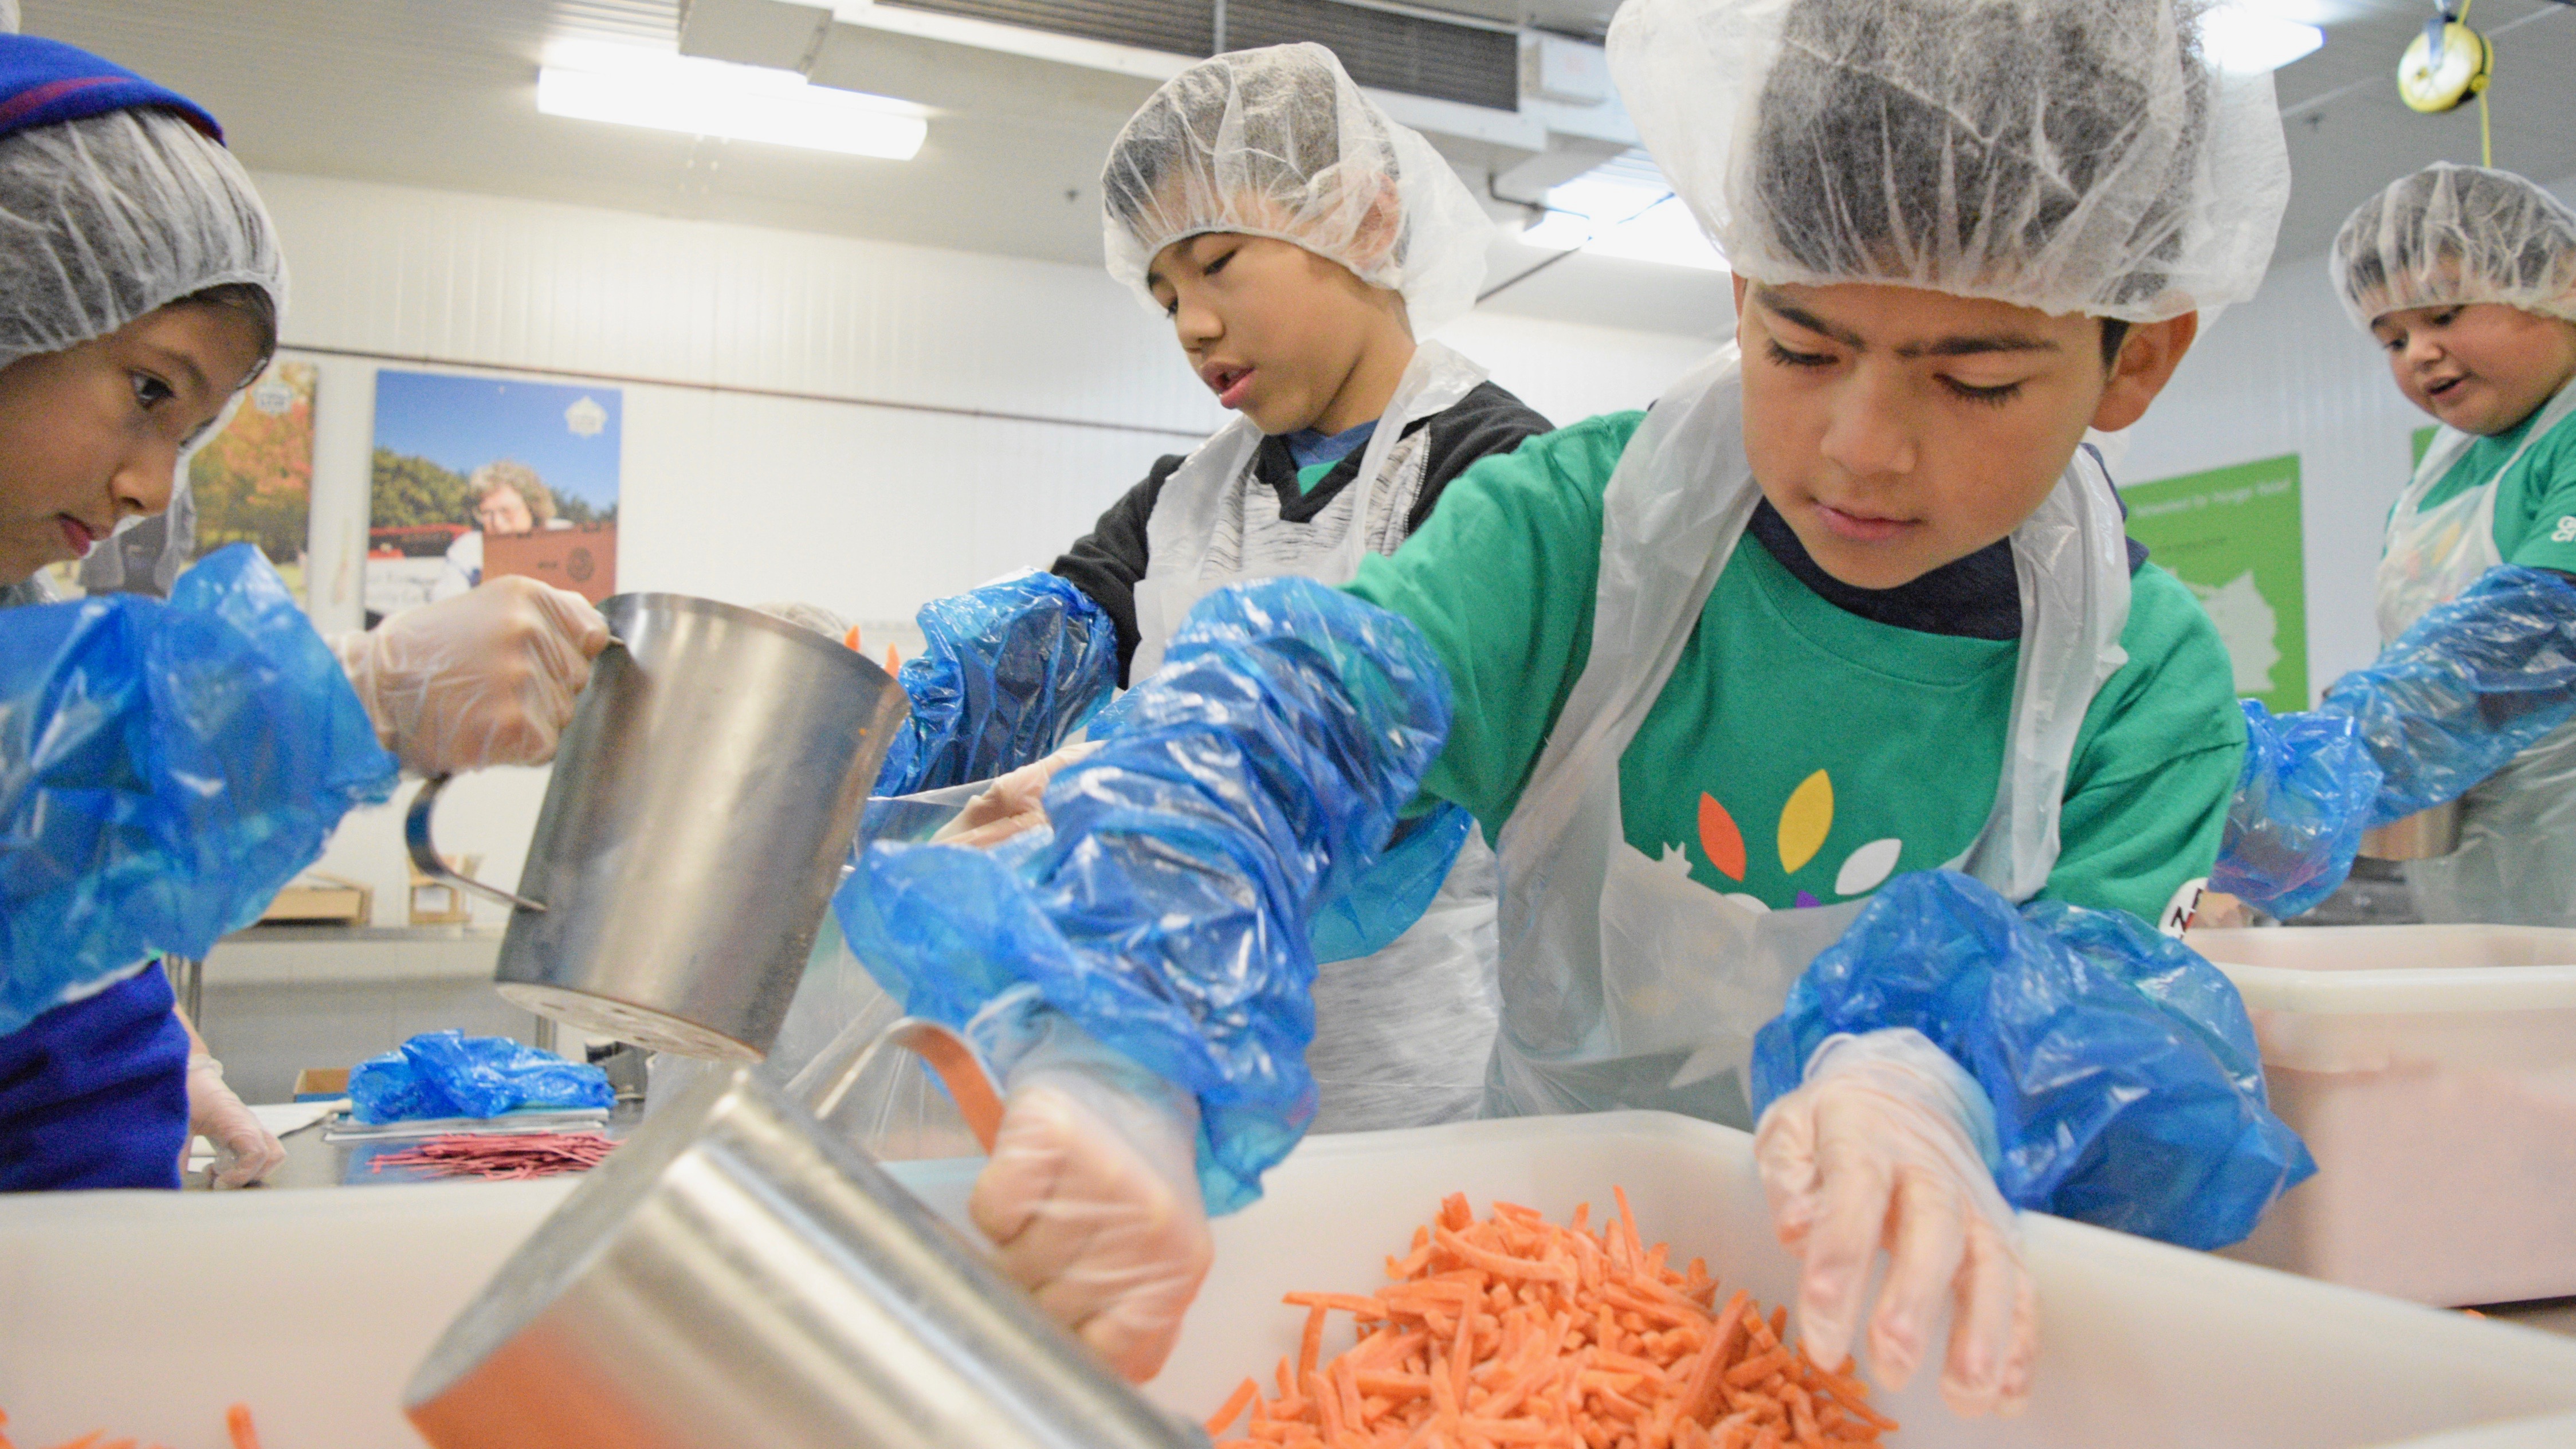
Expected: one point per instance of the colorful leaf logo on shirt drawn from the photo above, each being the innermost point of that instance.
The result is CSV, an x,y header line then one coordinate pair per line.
x,y
1719,839
1805,824
1868,868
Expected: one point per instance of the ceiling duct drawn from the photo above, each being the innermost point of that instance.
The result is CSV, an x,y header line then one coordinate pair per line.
x,y
1390,50
1183,27
1382,48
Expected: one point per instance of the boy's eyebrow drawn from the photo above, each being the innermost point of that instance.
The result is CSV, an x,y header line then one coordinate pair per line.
x,y
181,362
2006,341
1974,346
1790,312
1188,250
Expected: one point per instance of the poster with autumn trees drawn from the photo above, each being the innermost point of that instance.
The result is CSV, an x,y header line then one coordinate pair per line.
x,y
254,480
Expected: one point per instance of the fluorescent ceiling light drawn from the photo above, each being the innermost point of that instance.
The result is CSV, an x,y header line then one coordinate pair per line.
x,y
634,86
2251,36
1623,208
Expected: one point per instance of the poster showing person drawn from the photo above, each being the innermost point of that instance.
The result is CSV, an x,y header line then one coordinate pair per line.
x,y
252,482
476,477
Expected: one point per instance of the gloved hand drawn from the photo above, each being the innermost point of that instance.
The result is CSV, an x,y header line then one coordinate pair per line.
x,y
1879,1149
485,678
245,1151
1092,1198
1011,804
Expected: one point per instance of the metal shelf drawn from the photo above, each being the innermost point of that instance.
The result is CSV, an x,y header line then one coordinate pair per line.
x,y
365,934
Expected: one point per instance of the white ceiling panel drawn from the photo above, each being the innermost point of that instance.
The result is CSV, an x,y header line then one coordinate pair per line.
x,y
441,93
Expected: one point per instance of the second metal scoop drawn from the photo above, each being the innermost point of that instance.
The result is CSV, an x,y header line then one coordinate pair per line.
x,y
737,1275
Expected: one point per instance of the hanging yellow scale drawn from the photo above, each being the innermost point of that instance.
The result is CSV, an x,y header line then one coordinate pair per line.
x,y
2445,66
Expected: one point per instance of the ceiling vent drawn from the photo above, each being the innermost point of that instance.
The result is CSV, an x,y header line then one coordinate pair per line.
x,y
1386,49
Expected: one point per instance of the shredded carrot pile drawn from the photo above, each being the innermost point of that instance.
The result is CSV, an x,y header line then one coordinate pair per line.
x,y
1515,1331
236,1421
500,1156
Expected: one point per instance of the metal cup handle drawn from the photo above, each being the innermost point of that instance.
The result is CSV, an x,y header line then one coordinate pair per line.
x,y
424,854
960,1069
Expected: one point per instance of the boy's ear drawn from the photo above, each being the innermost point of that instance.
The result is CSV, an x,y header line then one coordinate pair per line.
x,y
1378,230
2146,362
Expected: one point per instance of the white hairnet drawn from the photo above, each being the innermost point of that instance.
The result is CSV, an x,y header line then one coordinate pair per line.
x,y
2067,155
2452,234
108,218
1279,142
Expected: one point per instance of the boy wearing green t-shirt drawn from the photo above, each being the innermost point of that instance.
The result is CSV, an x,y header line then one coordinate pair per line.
x,y
2467,278
1835,742
1838,715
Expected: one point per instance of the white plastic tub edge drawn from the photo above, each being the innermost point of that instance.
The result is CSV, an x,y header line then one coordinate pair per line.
x,y
145,1314
2396,990
2551,1431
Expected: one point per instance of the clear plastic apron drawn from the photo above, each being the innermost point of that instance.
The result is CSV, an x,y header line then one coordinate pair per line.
x,y
2516,862
1401,1036
1628,985
1181,532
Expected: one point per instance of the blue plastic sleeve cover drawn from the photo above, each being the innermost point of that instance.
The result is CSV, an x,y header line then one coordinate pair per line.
x,y
2123,1073
2303,798
450,1074
1382,903
2466,688
164,769
1007,673
1166,911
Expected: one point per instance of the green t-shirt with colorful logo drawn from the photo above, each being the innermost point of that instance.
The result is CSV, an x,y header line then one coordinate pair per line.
x,y
2535,515
1801,754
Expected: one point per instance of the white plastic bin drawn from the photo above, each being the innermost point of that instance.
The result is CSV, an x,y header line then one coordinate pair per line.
x,y
146,1314
2432,1070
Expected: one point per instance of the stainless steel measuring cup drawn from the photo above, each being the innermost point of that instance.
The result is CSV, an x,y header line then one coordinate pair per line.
x,y
702,802
736,1275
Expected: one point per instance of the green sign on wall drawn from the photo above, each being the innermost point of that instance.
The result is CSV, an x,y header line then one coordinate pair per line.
x,y
2232,535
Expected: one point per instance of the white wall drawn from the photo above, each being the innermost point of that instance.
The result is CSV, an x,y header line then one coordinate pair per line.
x,y
860,425
2289,373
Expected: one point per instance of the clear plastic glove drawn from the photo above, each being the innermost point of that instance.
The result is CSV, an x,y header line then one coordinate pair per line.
x,y
245,1151
1879,1149
1011,804
485,678
1092,1198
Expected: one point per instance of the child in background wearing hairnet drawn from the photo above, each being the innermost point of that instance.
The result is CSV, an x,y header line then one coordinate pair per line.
x,y
1299,242
2467,278
1823,714
140,286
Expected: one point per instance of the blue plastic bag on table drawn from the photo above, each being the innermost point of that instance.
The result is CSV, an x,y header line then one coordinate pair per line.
x,y
1167,908
1006,673
164,769
450,1074
2126,1087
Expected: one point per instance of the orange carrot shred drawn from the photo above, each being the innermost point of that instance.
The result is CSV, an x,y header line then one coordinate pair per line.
x,y
237,1423
1245,1395
1514,1331
1310,1345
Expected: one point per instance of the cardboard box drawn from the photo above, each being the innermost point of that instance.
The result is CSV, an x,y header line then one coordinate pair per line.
x,y
317,898
321,1084
583,560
